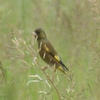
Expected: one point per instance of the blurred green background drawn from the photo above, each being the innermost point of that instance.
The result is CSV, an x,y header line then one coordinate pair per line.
x,y
72,26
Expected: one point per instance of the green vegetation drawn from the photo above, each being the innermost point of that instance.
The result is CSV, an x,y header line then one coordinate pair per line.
x,y
72,26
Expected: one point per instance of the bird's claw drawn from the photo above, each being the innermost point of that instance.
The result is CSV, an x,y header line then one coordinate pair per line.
x,y
44,68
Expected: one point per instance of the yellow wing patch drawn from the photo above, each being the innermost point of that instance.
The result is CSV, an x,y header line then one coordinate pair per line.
x,y
57,57
46,47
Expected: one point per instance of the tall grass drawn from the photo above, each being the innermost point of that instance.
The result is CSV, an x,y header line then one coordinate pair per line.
x,y
72,27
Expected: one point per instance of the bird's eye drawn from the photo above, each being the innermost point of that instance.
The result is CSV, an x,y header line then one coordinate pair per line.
x,y
34,34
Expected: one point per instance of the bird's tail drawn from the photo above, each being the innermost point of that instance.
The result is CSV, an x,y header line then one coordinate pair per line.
x,y
63,69
66,71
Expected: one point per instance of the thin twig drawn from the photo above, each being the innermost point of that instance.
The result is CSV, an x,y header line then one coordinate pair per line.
x,y
49,80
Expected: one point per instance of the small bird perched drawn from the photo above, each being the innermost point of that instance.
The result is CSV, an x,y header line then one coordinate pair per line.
x,y
47,52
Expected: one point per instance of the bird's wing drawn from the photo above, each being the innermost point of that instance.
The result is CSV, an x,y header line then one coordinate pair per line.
x,y
49,48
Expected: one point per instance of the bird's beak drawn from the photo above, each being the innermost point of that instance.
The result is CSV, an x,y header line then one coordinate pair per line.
x,y
34,34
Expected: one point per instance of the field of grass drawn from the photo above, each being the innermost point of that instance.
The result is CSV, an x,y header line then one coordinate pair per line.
x,y
72,26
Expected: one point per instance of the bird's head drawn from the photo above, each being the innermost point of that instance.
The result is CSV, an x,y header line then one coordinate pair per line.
x,y
39,34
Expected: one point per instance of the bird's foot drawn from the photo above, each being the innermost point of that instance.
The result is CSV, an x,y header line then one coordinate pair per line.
x,y
44,68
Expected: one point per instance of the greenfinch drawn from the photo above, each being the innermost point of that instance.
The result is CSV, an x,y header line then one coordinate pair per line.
x,y
47,51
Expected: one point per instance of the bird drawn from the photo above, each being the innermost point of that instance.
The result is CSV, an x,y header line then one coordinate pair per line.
x,y
47,51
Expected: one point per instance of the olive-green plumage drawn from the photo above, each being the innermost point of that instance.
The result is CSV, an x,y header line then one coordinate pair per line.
x,y
47,52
